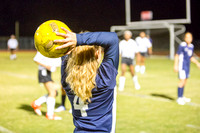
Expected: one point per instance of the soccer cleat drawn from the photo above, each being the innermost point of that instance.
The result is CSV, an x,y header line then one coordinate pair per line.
x,y
60,108
186,99
180,101
137,86
53,117
36,108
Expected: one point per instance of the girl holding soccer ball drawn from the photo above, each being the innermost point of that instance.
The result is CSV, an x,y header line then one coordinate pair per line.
x,y
88,82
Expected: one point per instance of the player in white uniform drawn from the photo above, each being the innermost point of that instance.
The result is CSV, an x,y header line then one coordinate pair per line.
x,y
12,46
145,47
128,50
46,66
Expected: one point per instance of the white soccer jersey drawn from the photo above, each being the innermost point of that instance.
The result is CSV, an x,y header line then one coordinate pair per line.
x,y
128,48
53,62
12,43
143,44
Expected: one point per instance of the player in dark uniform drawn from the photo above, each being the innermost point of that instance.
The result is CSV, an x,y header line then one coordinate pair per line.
x,y
182,65
95,112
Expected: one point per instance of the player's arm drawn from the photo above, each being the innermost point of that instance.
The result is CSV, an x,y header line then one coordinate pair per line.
x,y
136,49
17,46
149,45
195,61
107,40
150,51
120,48
176,60
8,45
50,68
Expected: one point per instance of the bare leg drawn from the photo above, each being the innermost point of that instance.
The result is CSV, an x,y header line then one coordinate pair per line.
x,y
142,63
135,79
51,98
138,58
122,78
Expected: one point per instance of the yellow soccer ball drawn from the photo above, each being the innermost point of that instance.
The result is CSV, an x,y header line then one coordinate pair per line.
x,y
45,35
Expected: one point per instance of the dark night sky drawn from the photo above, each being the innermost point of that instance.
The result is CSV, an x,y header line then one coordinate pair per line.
x,y
92,15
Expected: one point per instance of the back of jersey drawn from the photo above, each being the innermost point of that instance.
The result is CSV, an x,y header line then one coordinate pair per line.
x,y
98,114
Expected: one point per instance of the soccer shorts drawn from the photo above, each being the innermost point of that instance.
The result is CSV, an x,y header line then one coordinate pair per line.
x,y
44,76
12,49
183,74
127,61
144,54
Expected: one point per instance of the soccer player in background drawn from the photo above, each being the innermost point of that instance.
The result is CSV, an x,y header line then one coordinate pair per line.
x,y
145,47
88,82
63,97
46,66
62,106
128,49
12,47
182,65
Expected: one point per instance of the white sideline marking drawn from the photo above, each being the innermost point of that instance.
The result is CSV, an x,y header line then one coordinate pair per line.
x,y
193,104
4,130
23,76
193,126
156,98
147,97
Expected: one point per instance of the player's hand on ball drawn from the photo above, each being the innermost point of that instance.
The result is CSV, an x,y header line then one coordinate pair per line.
x,y
69,41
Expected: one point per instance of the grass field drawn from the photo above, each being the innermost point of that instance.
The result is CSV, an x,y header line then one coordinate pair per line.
x,y
153,109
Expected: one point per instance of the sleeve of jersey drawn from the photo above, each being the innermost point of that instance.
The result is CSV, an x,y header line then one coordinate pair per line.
x,y
63,73
107,40
149,44
136,47
180,48
120,47
38,57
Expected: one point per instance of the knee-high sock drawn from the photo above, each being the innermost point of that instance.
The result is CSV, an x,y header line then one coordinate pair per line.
x,y
63,99
137,68
135,79
142,69
11,56
180,91
41,100
121,83
14,56
50,105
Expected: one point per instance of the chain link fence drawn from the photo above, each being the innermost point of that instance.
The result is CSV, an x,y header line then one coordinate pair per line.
x,y
25,43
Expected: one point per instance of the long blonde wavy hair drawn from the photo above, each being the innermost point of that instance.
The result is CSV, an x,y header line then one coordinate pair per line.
x,y
81,71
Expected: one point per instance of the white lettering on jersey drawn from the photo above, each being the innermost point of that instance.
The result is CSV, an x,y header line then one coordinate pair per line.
x,y
80,106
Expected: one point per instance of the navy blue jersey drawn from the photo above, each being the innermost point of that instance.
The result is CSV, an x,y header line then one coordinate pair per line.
x,y
185,52
99,115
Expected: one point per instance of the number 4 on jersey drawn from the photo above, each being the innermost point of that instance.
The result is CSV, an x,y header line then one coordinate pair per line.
x,y
79,105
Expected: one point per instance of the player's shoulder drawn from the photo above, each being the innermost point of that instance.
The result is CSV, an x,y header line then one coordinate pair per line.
x,y
132,40
106,75
145,38
191,45
183,44
137,38
122,42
